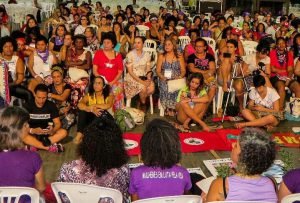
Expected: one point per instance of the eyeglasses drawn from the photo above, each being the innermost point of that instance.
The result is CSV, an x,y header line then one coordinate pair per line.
x,y
83,19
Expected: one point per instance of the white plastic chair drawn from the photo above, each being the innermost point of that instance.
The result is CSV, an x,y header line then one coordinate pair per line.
x,y
152,52
291,198
249,44
13,194
211,42
183,41
149,43
142,30
181,6
173,199
249,51
78,193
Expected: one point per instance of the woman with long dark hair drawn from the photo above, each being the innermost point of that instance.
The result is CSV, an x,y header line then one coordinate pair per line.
x,y
93,103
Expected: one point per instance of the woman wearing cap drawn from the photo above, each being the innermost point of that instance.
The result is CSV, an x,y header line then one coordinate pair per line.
x,y
154,31
90,106
59,93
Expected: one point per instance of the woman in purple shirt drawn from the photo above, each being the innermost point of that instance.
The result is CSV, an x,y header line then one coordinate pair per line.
x,y
18,167
160,175
290,184
253,154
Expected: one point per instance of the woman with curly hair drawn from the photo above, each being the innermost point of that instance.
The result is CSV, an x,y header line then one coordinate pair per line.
x,y
160,175
253,154
103,160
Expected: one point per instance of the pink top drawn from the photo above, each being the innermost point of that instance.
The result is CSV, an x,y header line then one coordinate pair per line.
x,y
275,63
108,67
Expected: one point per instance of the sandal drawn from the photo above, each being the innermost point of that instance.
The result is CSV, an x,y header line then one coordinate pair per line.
x,y
180,128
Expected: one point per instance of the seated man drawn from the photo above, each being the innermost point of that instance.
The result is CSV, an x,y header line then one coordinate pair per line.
x,y
263,107
44,122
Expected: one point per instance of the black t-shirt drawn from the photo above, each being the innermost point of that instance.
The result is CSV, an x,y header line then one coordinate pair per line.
x,y
39,117
202,64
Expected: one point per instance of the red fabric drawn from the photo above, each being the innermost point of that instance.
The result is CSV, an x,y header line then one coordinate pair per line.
x,y
224,133
101,59
287,139
190,142
132,139
206,141
49,195
218,119
275,63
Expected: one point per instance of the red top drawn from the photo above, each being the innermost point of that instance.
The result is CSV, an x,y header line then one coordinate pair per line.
x,y
275,63
108,67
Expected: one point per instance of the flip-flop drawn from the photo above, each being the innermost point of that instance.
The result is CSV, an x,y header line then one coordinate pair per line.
x,y
216,127
236,118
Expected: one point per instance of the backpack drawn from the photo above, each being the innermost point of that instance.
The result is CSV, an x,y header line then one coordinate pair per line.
x,y
124,120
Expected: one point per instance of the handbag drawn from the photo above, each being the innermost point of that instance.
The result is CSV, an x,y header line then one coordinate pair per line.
x,y
175,85
76,74
137,115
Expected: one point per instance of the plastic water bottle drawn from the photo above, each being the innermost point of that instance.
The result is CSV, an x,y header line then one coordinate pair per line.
x,y
128,122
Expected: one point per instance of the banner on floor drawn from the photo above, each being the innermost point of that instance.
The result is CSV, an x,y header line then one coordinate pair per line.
x,y
220,140
287,139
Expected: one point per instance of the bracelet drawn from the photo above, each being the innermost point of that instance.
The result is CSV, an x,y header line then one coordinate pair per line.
x,y
30,131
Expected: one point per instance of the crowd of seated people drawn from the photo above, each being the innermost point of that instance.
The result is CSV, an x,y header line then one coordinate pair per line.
x,y
88,60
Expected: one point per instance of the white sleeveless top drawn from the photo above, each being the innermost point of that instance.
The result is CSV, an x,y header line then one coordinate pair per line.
x,y
41,68
12,66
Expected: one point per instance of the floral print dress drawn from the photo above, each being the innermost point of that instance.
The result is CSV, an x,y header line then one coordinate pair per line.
x,y
167,99
139,66
77,171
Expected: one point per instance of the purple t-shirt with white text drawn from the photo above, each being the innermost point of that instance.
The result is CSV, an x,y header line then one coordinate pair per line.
x,y
18,168
149,182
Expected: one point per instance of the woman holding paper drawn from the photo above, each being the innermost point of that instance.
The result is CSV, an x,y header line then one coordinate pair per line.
x,y
252,154
170,66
